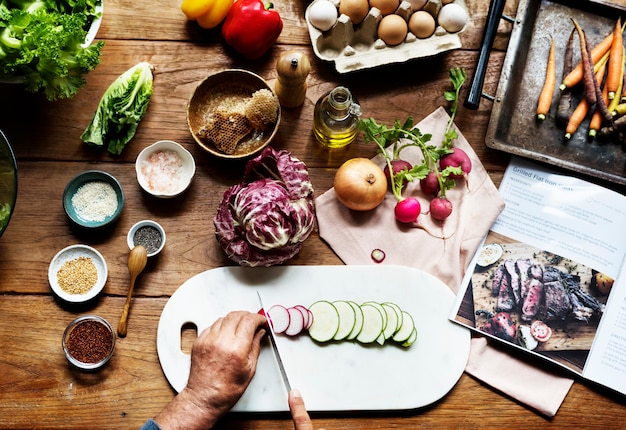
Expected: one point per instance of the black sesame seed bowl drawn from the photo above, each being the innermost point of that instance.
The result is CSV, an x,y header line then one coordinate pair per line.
x,y
148,233
88,342
93,199
77,273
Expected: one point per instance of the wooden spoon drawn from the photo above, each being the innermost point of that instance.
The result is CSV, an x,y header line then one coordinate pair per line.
x,y
137,260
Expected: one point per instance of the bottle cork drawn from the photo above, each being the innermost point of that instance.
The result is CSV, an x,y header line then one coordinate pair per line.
x,y
292,68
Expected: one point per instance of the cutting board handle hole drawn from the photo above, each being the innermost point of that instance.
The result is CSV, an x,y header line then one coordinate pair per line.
x,y
188,335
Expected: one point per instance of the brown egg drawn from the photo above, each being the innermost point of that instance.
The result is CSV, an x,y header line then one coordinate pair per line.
x,y
422,24
356,10
392,29
385,6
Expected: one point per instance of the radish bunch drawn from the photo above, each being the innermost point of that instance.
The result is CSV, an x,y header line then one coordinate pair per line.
x,y
441,165
345,320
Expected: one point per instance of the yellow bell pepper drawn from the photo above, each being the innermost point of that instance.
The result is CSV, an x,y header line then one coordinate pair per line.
x,y
195,8
208,13
216,14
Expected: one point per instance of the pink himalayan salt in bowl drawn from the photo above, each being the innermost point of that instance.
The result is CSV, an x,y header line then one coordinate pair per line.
x,y
165,169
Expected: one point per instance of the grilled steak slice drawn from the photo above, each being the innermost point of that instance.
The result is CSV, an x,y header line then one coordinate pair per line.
x,y
533,300
515,280
505,300
498,276
557,300
551,274
523,266
536,271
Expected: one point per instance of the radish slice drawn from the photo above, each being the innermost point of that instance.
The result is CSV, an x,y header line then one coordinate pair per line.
x,y
279,318
308,325
296,322
305,313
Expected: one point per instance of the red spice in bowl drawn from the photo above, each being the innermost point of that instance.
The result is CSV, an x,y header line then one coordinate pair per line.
x,y
89,342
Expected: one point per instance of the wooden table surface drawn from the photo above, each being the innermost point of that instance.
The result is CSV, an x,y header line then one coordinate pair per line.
x,y
38,389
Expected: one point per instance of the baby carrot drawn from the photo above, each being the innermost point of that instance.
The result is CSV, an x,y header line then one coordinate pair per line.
x,y
582,109
616,59
588,76
565,97
596,119
576,75
576,118
545,97
616,100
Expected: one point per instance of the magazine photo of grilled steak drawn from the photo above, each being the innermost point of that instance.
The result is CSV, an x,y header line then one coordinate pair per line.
x,y
537,300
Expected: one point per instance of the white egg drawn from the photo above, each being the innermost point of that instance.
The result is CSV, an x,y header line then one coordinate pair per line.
x,y
452,17
323,15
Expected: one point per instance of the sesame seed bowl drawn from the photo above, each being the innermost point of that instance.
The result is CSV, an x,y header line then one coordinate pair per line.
x,y
77,273
93,199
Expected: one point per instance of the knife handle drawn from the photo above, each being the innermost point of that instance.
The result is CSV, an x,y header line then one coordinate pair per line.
x,y
472,99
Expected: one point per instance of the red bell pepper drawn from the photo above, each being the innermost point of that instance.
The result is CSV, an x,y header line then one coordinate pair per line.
x,y
251,27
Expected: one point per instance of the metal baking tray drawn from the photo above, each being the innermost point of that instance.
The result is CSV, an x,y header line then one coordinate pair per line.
x,y
513,127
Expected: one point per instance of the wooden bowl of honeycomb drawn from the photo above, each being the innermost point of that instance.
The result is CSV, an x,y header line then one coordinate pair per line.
x,y
233,114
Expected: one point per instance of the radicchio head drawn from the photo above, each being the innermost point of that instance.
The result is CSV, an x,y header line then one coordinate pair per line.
x,y
264,220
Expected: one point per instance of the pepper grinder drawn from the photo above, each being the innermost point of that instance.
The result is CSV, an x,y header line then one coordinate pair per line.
x,y
292,68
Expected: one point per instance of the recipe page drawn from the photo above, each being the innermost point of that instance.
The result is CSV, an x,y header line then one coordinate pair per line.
x,y
543,277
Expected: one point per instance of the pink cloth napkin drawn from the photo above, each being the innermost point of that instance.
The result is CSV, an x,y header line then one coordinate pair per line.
x,y
354,235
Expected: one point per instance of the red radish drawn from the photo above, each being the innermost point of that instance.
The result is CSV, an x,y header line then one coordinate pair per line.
x,y
305,314
378,255
430,184
440,208
407,210
458,158
279,318
397,166
296,322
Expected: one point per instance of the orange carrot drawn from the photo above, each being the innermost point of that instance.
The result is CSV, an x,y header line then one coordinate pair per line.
x,y
545,97
580,113
576,75
612,104
616,59
576,118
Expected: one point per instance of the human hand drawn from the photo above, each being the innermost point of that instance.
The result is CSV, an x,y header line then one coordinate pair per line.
x,y
223,362
301,420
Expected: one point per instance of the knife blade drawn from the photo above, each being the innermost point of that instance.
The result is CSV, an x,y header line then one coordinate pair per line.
x,y
271,335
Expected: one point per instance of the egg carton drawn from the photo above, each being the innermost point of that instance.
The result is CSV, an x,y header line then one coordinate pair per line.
x,y
356,47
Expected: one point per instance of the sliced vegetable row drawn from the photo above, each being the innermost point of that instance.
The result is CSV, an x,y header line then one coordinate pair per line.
x,y
340,320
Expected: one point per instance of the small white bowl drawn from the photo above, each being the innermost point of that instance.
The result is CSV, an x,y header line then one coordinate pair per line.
x,y
68,254
168,178
147,223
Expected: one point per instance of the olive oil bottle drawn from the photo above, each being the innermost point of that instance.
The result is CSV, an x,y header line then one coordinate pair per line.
x,y
335,118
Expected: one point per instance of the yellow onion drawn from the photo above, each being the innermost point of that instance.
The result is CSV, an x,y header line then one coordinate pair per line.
x,y
360,184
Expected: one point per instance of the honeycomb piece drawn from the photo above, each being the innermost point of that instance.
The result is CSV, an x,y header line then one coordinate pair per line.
x,y
226,128
262,109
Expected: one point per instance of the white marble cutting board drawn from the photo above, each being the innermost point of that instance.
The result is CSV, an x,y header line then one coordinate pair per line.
x,y
337,376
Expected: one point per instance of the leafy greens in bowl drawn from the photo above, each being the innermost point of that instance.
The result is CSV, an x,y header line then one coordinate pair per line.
x,y
8,182
35,53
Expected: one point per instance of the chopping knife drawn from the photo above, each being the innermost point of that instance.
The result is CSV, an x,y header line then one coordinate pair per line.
x,y
271,335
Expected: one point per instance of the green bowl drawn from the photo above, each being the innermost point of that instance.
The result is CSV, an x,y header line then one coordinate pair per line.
x,y
8,182
93,208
